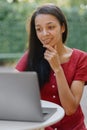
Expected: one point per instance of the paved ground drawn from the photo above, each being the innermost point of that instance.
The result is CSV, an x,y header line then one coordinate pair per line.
x,y
6,69
83,100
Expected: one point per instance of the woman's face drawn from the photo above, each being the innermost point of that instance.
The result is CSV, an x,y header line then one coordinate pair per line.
x,y
48,29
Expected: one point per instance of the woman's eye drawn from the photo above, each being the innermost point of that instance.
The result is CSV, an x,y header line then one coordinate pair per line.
x,y
38,29
51,27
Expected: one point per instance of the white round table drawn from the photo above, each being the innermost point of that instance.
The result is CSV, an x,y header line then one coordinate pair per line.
x,y
15,125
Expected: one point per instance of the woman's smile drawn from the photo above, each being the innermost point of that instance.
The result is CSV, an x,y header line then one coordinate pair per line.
x,y
46,41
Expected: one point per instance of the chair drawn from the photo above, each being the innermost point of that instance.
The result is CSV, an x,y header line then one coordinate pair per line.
x,y
84,104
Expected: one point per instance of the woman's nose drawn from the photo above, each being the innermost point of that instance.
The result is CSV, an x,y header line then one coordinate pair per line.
x,y
45,32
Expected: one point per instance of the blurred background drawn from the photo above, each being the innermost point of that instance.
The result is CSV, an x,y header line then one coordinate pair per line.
x,y
13,19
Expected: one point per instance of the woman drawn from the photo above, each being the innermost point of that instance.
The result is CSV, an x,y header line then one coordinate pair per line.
x,y
62,71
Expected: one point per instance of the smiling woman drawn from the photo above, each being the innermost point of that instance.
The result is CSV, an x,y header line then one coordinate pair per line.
x,y
50,31
62,71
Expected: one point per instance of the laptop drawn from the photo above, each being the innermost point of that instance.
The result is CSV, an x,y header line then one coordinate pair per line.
x,y
20,98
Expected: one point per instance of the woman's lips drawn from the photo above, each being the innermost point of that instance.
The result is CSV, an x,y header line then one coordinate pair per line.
x,y
46,41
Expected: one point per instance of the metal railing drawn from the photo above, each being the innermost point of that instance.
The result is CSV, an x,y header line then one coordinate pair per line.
x,y
10,55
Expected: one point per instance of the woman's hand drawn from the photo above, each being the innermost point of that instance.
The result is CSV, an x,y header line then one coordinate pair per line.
x,y
51,55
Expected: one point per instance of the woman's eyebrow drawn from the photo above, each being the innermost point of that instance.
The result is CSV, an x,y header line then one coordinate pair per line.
x,y
37,25
46,23
50,22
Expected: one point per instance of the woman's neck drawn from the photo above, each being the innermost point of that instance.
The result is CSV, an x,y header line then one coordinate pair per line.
x,y
64,53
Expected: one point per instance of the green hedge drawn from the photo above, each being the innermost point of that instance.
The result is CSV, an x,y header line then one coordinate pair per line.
x,y
77,22
13,36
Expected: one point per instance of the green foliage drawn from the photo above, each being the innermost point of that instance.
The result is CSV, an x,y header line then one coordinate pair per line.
x,y
77,2
13,36
77,36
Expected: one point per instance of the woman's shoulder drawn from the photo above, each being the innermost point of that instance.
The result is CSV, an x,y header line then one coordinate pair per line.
x,y
24,56
25,53
79,52
22,62
79,56
80,60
